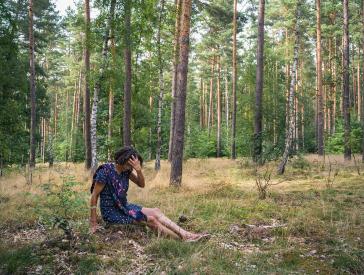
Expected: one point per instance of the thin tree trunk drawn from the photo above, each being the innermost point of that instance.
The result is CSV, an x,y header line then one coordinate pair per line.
x,y
205,106
150,128
67,119
346,77
127,83
218,108
98,88
358,86
74,106
290,126
174,75
178,138
201,103
55,121
32,87
258,139
209,126
335,88
296,110
111,94
320,115
77,123
86,101
233,122
362,101
287,71
227,104
161,90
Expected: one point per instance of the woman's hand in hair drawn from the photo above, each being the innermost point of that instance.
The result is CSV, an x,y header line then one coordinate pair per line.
x,y
135,163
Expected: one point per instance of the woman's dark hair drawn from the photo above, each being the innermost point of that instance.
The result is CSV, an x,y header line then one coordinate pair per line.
x,y
124,154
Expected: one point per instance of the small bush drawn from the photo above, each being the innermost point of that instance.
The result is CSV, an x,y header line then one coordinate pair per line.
x,y
300,162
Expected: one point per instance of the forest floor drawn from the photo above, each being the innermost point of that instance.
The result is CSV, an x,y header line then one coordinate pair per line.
x,y
310,222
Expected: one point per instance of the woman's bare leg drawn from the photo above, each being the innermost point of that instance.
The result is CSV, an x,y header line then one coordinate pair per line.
x,y
155,212
160,228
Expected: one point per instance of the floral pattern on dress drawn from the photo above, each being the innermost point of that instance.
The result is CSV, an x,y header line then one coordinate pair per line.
x,y
114,205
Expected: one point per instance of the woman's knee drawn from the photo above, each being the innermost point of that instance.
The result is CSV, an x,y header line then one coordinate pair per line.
x,y
157,212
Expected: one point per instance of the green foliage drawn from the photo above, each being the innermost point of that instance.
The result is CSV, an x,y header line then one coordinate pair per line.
x,y
64,204
15,261
200,144
335,143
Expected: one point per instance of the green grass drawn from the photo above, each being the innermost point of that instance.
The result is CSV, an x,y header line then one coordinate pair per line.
x,y
322,232
16,261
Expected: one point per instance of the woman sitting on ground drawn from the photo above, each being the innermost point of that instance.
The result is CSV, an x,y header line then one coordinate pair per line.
x,y
111,184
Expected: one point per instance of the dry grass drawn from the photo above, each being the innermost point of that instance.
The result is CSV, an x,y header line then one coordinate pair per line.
x,y
319,227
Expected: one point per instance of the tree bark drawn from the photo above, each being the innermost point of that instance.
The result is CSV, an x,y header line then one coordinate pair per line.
x,y
157,165
182,70
174,75
258,139
320,117
32,87
86,100
201,103
127,83
218,151
362,97
346,77
97,88
290,126
233,122
335,88
358,86
111,94
227,104
209,122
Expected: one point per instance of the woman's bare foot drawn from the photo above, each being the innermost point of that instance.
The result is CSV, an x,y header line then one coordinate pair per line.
x,y
192,237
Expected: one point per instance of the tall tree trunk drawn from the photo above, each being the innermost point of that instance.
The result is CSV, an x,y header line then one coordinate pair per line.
x,y
227,104
111,94
127,83
205,106
275,89
335,88
211,109
55,119
157,165
98,88
346,77
67,121
233,122
77,122
174,75
258,139
32,87
201,103
178,138
320,116
362,102
218,108
358,86
74,107
150,128
86,97
290,126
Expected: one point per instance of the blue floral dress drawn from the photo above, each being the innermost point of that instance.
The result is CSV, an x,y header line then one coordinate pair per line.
x,y
114,205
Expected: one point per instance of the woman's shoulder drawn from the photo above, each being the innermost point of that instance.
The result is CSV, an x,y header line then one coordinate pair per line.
x,y
105,168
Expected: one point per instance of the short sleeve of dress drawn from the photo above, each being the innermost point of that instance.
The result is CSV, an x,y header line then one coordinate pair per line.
x,y
101,175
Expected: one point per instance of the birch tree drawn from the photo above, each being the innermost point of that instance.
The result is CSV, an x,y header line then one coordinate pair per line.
x,y
291,112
